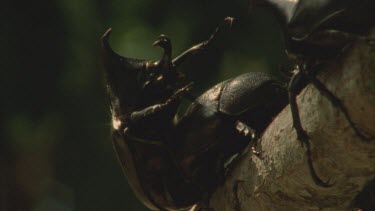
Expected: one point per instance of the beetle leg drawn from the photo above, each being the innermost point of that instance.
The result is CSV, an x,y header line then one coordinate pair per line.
x,y
143,141
203,46
292,94
179,93
301,133
248,132
245,130
254,149
145,114
336,102
170,106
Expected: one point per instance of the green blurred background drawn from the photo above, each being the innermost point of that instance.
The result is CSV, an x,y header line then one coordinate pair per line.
x,y
55,148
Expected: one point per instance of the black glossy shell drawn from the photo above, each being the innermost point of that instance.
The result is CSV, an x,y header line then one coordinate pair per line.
x,y
353,16
249,91
254,98
301,18
311,27
209,126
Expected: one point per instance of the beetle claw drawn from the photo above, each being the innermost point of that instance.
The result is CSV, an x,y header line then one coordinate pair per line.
x,y
245,130
256,152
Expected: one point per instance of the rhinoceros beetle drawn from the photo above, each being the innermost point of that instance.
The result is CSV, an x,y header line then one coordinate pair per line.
x,y
321,28
315,32
172,165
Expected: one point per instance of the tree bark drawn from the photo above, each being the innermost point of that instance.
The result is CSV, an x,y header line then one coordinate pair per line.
x,y
280,178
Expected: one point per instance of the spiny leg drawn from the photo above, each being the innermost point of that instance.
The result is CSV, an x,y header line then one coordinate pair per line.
x,y
250,133
168,107
314,175
336,102
203,46
292,95
301,133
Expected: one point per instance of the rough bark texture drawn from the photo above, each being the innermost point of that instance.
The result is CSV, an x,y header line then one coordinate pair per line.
x,y
280,179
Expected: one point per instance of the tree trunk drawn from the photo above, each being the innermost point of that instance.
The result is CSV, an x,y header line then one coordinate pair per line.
x,y
280,178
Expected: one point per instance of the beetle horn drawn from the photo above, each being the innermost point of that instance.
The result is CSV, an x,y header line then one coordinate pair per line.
x,y
112,58
121,72
105,37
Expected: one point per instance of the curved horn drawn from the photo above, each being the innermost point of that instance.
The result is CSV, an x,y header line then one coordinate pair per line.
x,y
112,58
121,76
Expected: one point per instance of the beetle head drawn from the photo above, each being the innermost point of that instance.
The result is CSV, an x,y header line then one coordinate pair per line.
x,y
134,83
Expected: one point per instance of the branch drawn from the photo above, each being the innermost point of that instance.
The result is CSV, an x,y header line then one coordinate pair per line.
x,y
280,179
